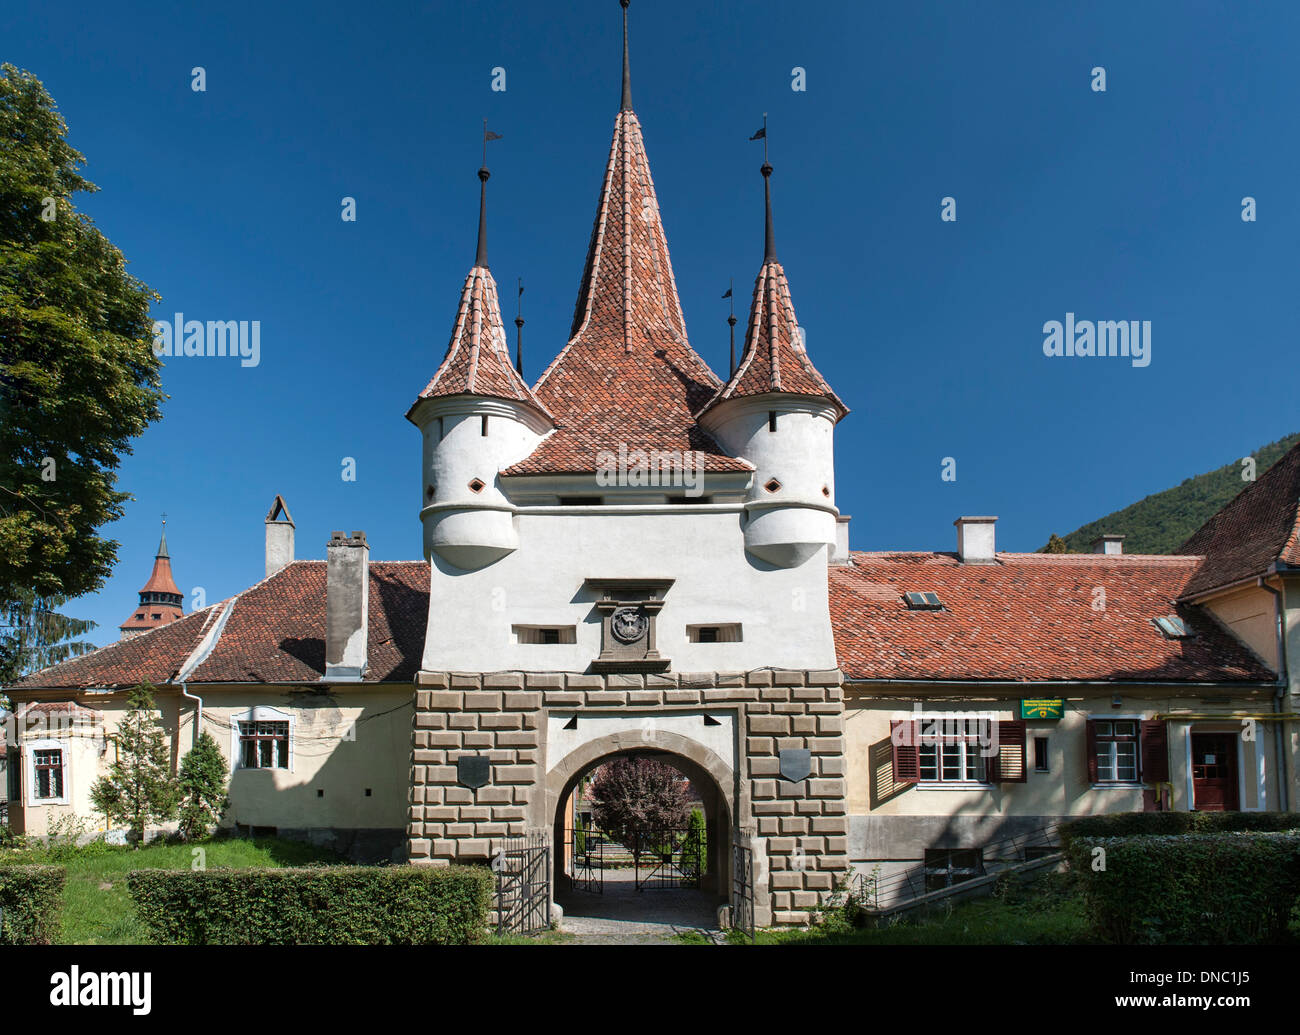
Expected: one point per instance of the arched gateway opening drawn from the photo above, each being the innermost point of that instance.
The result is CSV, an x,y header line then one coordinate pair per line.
x,y
675,878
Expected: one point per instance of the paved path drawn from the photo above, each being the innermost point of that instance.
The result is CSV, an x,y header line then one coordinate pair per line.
x,y
621,915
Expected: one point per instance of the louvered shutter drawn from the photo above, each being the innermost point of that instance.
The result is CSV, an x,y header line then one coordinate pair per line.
x,y
907,759
1091,746
1009,763
1154,736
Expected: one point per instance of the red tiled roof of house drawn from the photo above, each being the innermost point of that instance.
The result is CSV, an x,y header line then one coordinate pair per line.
x,y
272,632
1260,526
478,356
1028,617
628,374
775,359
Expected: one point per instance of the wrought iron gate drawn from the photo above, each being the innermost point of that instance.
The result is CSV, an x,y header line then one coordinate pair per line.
x,y
523,868
668,859
586,861
742,887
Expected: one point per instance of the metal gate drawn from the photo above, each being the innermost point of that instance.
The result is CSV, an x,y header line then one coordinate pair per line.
x,y
668,859
589,853
523,868
742,887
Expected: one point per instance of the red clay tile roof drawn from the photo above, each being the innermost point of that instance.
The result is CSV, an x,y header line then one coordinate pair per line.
x,y
160,579
1259,526
478,356
628,374
275,632
775,359
1028,617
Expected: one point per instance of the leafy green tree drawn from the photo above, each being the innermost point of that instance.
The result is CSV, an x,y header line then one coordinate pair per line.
x,y
139,788
78,375
34,635
1055,545
203,782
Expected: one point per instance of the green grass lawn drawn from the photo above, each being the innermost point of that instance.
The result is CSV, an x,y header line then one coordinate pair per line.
x,y
97,908
1045,911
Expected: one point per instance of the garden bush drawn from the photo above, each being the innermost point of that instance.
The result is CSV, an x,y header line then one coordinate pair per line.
x,y
1229,888
1127,824
31,901
325,905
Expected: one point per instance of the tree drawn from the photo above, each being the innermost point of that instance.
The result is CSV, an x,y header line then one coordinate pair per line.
x,y
139,788
78,374
1055,545
697,839
203,781
34,635
633,797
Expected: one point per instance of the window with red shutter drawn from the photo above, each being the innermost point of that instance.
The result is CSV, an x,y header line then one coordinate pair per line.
x,y
902,734
1008,765
1155,751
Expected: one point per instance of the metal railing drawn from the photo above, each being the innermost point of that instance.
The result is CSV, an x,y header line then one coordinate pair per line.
x,y
922,879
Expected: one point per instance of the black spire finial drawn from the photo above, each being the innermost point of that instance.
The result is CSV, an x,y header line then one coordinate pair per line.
x,y
627,75
162,543
480,258
731,322
769,238
519,329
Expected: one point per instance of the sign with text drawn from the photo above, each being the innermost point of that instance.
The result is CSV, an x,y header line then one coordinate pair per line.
x,y
1043,708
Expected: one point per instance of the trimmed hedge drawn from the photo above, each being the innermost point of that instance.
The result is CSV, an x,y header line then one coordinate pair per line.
x,y
32,900
322,905
1129,824
1189,889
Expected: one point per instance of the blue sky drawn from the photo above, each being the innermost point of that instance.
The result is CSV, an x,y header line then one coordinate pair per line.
x,y
1120,205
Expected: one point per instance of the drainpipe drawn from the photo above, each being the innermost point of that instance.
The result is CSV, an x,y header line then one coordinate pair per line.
x,y
1283,681
198,716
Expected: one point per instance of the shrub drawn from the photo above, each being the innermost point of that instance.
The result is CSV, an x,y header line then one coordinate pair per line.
x,y
1127,824
31,898
1220,888
203,781
326,905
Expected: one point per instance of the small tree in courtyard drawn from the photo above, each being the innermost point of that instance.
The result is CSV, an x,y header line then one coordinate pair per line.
x,y
139,788
203,781
636,797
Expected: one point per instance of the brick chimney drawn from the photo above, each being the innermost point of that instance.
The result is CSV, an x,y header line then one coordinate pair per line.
x,y
279,537
976,543
1112,544
347,607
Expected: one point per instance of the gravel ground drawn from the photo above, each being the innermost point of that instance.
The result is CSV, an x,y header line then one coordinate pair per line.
x,y
621,915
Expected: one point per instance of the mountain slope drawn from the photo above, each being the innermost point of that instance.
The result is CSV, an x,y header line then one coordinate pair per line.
x,y
1160,523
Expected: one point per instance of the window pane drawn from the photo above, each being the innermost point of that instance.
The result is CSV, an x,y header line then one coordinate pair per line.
x,y
1125,729
1126,760
1105,762
929,762
282,753
1104,729
57,773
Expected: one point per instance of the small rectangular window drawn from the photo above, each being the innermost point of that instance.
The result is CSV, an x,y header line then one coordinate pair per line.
x,y
545,634
945,867
722,632
1040,755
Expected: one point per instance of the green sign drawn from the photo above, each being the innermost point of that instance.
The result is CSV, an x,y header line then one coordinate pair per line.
x,y
1043,708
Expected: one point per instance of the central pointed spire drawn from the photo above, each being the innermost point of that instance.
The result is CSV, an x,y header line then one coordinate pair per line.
x,y
627,75
769,238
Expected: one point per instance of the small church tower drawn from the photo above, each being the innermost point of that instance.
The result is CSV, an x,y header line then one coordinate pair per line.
x,y
161,601
779,413
477,416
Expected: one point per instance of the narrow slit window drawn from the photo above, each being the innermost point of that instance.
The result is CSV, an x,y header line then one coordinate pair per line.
x,y
485,425
771,420
718,632
1041,764
545,634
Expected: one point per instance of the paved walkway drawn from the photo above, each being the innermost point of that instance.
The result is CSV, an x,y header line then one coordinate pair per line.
x,y
621,915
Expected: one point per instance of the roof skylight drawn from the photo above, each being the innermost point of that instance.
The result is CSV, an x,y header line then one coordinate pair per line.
x,y
1173,627
923,601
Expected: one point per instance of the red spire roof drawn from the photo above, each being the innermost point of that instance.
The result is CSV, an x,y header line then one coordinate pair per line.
x,y
160,580
161,601
478,357
775,359
628,373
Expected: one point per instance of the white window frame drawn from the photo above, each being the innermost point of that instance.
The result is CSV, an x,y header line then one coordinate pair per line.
x,y
964,783
1126,785
29,750
258,713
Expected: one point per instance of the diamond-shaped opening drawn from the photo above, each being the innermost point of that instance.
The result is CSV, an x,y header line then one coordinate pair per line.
x,y
477,485
772,485
826,491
